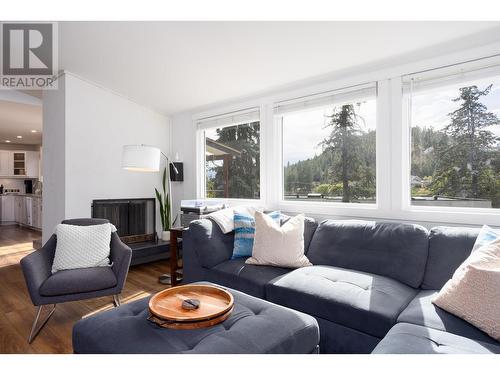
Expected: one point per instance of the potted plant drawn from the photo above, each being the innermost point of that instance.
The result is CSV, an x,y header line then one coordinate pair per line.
x,y
165,207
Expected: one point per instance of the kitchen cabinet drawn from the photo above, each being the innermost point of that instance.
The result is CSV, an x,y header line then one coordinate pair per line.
x,y
20,163
19,215
7,208
36,216
26,210
6,163
32,162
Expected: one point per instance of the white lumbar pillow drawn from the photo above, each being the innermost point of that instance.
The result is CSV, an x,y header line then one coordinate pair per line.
x,y
82,246
473,293
278,246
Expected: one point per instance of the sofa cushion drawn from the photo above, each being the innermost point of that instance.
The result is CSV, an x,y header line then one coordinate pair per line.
x,y
422,311
310,226
278,246
339,339
448,248
473,292
244,231
362,301
208,242
254,326
398,251
78,281
210,246
406,338
248,278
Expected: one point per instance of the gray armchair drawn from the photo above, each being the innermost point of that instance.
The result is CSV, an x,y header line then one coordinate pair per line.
x,y
46,288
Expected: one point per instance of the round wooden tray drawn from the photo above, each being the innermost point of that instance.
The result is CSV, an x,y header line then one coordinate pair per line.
x,y
216,305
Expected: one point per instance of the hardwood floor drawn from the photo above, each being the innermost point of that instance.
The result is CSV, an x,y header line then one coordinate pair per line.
x,y
17,311
14,239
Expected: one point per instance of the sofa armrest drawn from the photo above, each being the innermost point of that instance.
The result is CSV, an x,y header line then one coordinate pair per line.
x,y
205,241
37,268
120,255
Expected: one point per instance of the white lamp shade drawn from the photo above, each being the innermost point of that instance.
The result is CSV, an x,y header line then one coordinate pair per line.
x,y
141,158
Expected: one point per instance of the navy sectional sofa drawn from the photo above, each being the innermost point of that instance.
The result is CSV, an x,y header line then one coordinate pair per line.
x,y
370,286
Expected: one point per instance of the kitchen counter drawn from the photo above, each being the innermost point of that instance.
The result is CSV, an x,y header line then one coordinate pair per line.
x,y
21,195
23,209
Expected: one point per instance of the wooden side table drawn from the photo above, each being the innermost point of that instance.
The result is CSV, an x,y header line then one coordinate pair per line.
x,y
175,276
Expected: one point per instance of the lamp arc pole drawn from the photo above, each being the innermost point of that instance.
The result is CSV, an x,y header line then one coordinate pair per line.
x,y
147,158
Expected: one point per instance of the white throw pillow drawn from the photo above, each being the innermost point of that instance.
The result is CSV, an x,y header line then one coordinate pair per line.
x,y
278,246
473,293
82,246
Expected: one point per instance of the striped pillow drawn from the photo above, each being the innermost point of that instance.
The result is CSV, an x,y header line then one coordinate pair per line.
x,y
244,232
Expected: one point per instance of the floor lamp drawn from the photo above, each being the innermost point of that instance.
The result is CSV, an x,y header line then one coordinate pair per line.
x,y
145,158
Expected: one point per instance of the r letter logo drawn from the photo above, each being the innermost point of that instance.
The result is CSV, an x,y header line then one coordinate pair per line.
x,y
29,59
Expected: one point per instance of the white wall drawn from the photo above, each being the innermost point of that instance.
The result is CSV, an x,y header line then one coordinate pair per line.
x,y
96,124
183,136
54,149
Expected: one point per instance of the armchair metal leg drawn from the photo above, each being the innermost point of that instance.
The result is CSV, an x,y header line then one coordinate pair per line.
x,y
34,331
116,300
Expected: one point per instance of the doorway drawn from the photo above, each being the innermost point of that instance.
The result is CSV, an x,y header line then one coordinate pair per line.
x,y
20,174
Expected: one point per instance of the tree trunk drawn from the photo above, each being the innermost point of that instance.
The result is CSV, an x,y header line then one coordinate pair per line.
x,y
226,160
473,155
346,194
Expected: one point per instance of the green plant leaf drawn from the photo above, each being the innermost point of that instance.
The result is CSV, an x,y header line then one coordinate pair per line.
x,y
162,209
165,204
164,180
167,209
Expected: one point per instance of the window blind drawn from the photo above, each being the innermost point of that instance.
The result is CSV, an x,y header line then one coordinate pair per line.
x,y
229,119
453,74
335,97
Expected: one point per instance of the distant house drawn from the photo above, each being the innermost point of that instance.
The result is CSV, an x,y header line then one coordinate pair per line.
x,y
416,181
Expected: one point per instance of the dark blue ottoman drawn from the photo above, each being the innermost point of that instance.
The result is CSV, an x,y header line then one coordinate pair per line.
x,y
255,326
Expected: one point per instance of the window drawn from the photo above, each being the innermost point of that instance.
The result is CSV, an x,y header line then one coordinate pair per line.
x,y
329,147
422,147
232,155
455,145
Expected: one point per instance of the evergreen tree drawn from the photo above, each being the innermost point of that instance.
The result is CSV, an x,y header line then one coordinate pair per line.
x,y
343,144
425,142
244,169
461,162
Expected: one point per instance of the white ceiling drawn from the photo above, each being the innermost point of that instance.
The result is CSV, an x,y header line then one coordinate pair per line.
x,y
20,119
175,66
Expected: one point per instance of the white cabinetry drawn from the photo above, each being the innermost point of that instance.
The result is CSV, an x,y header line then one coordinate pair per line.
x,y
25,210
7,208
32,161
6,163
20,213
20,163
36,216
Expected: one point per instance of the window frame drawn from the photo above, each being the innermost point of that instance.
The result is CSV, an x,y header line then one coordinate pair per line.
x,y
393,201
459,215
201,151
317,207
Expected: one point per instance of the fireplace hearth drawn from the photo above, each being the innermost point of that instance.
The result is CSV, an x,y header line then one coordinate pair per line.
x,y
134,219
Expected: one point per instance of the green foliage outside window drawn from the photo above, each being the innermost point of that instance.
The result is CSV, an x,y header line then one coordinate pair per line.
x,y
462,160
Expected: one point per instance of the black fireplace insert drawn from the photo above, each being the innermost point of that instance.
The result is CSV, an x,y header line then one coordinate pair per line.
x,y
134,219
